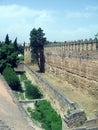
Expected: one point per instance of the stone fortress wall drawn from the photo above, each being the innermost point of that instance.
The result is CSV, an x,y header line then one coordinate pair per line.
x,y
75,62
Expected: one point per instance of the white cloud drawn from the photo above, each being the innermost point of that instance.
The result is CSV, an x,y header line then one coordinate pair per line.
x,y
19,20
58,26
87,12
92,8
77,14
74,34
15,11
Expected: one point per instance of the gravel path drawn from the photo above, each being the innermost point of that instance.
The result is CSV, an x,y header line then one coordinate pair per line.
x,y
11,117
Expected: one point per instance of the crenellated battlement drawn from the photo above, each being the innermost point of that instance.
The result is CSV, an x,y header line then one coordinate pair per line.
x,y
80,48
86,41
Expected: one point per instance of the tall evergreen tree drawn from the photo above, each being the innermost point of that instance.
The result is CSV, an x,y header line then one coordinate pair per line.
x,y
20,49
7,41
15,44
37,42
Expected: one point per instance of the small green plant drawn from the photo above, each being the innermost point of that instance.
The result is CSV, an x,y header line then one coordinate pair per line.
x,y
82,122
47,116
32,91
23,77
68,112
29,109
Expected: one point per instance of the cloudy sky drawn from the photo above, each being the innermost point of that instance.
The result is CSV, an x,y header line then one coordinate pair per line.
x,y
61,20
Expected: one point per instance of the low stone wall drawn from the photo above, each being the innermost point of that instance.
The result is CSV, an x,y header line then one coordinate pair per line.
x,y
60,102
31,101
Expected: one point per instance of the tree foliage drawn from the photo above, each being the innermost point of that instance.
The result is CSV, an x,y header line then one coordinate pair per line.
x,y
8,56
37,42
96,37
9,52
12,79
15,44
20,49
7,41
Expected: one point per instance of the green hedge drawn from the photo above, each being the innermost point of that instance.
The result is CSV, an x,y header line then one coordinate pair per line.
x,y
32,91
45,114
12,79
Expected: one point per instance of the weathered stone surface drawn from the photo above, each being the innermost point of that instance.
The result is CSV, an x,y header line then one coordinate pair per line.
x,y
27,54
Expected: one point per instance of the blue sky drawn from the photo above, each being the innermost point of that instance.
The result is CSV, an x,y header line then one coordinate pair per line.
x,y
61,20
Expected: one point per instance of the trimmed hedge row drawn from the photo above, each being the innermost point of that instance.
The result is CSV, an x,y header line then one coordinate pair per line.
x,y
32,91
12,79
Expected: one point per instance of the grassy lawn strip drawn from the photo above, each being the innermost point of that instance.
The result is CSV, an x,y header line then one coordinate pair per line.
x,y
46,115
32,91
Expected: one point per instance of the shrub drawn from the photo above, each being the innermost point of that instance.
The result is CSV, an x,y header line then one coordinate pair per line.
x,y
68,112
11,78
29,109
46,115
32,91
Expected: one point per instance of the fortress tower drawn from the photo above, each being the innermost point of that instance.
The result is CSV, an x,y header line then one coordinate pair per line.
x,y
27,53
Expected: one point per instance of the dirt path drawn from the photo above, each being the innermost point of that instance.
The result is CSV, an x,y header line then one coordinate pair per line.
x,y
9,111
80,96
